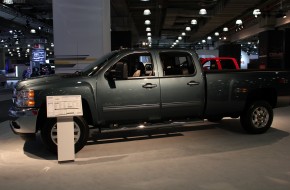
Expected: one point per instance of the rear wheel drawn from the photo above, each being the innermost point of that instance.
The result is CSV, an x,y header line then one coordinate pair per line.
x,y
49,134
257,118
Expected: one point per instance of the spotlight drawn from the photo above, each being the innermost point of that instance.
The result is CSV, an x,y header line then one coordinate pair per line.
x,y
202,12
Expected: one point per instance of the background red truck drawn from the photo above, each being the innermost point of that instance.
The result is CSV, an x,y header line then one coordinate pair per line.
x,y
219,63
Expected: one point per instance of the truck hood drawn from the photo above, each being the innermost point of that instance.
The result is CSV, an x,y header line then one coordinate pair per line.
x,y
45,80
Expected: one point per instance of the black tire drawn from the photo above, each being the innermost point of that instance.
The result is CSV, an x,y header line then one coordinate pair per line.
x,y
257,117
49,134
215,119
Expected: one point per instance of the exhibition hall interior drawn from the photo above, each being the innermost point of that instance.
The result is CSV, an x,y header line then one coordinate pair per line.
x,y
145,94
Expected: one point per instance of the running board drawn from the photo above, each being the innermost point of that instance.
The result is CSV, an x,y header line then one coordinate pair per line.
x,y
149,126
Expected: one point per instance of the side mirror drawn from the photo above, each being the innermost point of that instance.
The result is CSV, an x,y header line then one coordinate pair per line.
x,y
119,72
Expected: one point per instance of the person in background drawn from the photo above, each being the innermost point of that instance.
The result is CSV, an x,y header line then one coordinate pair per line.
x,y
35,72
26,73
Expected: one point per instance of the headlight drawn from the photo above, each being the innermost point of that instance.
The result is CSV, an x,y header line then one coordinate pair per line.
x,y
25,98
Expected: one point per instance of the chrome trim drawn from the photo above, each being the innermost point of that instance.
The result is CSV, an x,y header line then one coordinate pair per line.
x,y
131,107
24,120
180,104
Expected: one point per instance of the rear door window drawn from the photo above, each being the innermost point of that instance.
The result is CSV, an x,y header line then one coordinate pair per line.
x,y
177,63
227,64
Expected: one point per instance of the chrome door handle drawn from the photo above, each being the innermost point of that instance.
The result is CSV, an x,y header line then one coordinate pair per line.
x,y
149,85
192,83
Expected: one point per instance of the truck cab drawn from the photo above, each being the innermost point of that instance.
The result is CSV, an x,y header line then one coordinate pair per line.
x,y
219,63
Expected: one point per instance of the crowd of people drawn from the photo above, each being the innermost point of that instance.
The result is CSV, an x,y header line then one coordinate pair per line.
x,y
43,70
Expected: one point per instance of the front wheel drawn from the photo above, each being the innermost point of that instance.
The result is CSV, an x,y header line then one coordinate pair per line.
x,y
49,134
257,118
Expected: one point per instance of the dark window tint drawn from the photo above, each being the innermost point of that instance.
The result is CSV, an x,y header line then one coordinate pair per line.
x,y
176,63
139,64
227,64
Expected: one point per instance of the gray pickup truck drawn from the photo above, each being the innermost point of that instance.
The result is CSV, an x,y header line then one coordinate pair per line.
x,y
148,87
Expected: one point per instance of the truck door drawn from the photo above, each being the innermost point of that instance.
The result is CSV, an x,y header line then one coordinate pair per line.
x,y
182,85
135,97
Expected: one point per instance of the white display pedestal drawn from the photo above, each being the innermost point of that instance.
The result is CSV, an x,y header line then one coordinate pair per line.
x,y
64,108
65,139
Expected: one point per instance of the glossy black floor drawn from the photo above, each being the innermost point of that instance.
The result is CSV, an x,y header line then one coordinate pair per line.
x,y
209,156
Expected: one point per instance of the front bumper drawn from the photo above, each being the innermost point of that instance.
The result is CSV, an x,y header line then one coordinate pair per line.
x,y
24,120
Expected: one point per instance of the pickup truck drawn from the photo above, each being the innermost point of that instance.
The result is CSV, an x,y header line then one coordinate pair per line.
x,y
116,91
219,63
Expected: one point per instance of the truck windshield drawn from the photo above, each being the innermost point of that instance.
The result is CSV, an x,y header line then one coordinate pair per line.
x,y
95,66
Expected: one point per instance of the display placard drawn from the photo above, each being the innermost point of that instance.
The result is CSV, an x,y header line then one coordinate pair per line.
x,y
64,106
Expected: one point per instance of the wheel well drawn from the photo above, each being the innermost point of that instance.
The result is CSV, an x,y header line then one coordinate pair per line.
x,y
87,114
266,94
42,115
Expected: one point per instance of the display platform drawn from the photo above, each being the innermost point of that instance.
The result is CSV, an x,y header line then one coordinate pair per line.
x,y
212,156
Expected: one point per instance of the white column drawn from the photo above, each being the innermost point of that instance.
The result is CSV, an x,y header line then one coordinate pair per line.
x,y
81,30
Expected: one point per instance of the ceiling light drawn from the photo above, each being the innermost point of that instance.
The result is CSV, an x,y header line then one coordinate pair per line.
x,y
145,0
148,29
202,12
32,31
147,22
9,2
225,29
216,34
147,12
183,33
176,41
188,28
239,22
179,38
10,31
256,12
225,38
148,34
193,21
149,38
203,41
209,37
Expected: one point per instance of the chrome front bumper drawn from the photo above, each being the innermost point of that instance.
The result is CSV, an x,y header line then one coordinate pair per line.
x,y
24,120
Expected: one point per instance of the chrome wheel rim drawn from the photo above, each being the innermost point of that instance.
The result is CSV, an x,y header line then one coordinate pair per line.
x,y
77,133
260,117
